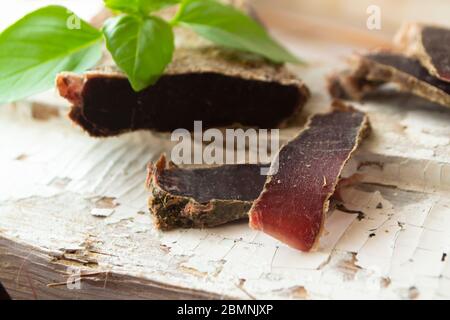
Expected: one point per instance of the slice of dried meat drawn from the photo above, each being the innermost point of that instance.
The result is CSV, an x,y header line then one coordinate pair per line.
x,y
201,197
219,87
430,45
371,70
294,201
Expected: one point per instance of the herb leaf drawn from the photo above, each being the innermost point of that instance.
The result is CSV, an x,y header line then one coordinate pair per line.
x,y
40,45
142,7
141,47
229,27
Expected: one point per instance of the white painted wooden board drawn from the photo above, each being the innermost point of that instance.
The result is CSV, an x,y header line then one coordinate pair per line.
x,y
69,202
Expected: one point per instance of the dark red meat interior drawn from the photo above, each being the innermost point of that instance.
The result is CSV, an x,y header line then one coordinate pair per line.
x,y
291,208
109,106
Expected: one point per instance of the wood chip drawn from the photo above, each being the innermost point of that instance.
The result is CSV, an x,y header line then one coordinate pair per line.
x,y
102,212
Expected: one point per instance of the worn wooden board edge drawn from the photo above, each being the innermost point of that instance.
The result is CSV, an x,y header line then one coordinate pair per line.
x,y
25,272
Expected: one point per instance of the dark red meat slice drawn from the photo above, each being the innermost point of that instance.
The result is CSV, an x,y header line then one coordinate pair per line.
x,y
293,203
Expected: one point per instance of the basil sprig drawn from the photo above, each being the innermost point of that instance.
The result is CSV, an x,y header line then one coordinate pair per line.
x,y
227,26
40,45
52,39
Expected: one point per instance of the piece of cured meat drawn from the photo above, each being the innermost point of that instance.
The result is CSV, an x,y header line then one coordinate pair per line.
x,y
201,197
217,86
294,200
429,44
371,70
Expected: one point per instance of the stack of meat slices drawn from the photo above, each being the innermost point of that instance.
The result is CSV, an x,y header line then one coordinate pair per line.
x,y
419,64
289,205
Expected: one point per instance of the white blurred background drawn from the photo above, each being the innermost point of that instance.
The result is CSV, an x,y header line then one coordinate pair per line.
x,y
11,10
331,20
312,28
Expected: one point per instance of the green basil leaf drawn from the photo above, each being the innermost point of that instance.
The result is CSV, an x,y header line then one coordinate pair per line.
x,y
141,47
143,7
40,45
230,27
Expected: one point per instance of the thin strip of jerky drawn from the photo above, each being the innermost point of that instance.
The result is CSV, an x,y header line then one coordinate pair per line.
x,y
294,201
219,87
430,45
371,70
201,197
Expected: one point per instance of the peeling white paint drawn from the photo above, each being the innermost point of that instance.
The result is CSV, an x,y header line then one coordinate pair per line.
x,y
103,213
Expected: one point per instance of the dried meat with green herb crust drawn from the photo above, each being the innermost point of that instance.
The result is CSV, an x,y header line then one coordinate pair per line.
x,y
201,197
